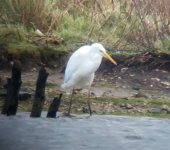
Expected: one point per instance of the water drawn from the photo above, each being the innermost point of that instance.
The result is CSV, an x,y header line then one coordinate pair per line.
x,y
81,133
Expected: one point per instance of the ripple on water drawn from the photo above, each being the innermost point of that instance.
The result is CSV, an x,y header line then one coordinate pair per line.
x,y
79,132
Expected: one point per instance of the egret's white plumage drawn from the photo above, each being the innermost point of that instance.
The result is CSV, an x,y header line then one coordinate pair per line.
x,y
82,65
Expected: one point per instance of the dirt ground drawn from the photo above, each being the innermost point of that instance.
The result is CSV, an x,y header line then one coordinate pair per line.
x,y
145,75
138,85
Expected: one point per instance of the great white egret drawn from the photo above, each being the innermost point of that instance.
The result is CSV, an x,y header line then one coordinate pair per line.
x,y
81,68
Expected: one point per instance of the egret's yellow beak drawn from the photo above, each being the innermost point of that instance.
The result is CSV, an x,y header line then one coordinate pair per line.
x,y
107,56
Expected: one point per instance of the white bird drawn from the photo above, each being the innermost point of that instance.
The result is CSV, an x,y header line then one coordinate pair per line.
x,y
81,68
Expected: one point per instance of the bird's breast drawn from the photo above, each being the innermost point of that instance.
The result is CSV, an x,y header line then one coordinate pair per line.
x,y
94,63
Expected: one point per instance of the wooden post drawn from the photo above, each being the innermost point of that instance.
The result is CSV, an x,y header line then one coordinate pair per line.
x,y
13,87
39,97
8,96
54,107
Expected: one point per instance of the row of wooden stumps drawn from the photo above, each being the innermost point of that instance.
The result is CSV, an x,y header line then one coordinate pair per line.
x,y
13,87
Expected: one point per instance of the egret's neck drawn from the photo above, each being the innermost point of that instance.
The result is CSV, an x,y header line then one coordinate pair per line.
x,y
95,55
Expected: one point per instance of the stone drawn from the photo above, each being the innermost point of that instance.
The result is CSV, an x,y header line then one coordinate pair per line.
x,y
122,105
128,106
23,95
140,95
155,79
166,83
123,70
85,109
166,108
140,111
157,111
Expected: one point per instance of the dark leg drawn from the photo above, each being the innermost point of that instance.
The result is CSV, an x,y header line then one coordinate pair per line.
x,y
71,99
88,102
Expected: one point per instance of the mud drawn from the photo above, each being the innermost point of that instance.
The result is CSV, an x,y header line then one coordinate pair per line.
x,y
144,75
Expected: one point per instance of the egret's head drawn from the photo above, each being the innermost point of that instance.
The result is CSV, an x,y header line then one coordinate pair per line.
x,y
102,50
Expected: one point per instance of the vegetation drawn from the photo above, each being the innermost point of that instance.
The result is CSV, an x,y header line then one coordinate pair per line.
x,y
109,106
125,25
101,105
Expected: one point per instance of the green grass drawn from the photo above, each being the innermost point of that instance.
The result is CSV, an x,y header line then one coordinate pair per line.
x,y
12,33
22,47
19,41
74,24
117,101
75,30
116,25
80,101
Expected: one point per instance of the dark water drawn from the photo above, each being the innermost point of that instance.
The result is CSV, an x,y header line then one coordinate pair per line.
x,y
80,133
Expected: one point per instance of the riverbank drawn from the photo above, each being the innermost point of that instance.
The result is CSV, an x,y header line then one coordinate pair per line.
x,y
135,87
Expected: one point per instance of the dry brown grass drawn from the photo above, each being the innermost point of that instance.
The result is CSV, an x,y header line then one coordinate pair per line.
x,y
119,23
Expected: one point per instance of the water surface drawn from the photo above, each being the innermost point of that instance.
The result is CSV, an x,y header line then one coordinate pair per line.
x,y
81,133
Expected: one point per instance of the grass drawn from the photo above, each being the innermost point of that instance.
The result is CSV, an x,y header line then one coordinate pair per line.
x,y
74,30
118,25
12,33
118,101
101,105
21,42
22,47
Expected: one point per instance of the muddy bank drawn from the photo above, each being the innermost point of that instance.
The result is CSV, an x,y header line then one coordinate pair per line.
x,y
30,60
141,77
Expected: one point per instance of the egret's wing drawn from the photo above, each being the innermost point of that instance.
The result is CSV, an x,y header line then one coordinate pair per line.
x,y
75,62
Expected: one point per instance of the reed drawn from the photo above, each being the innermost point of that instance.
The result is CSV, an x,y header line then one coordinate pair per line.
x,y
121,24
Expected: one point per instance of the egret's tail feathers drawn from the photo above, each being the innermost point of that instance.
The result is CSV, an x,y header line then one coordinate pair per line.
x,y
67,86
63,86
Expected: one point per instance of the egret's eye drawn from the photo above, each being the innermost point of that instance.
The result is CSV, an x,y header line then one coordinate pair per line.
x,y
100,50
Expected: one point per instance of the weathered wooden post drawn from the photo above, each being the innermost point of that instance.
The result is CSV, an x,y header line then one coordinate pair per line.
x,y
39,97
52,111
13,86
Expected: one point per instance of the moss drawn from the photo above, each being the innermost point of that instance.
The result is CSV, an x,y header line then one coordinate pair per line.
x,y
21,43
80,101
153,102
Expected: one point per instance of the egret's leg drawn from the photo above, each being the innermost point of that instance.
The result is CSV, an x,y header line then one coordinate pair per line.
x,y
88,102
71,99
